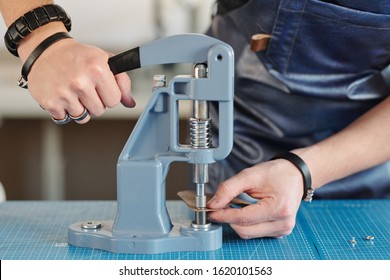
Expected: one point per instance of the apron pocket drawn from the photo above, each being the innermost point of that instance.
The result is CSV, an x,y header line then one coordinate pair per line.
x,y
318,37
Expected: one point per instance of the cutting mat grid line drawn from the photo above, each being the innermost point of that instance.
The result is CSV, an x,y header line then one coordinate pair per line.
x,y
334,227
38,230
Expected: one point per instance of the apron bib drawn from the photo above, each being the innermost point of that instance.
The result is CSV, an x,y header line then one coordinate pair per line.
x,y
326,64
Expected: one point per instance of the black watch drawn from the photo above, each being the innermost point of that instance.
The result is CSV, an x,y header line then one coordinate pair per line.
x,y
30,21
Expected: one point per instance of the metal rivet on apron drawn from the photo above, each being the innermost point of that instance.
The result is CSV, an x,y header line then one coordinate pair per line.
x,y
259,42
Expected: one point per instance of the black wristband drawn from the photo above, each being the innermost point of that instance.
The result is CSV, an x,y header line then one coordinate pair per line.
x,y
308,192
32,20
23,81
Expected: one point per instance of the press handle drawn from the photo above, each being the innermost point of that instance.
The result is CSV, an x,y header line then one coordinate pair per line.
x,y
125,61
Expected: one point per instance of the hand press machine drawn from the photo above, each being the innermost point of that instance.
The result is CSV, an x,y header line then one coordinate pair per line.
x,y
142,223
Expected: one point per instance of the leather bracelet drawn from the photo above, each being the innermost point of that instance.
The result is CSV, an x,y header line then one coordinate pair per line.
x,y
32,20
32,58
308,192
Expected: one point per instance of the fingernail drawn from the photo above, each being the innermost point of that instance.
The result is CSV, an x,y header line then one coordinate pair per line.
x,y
133,103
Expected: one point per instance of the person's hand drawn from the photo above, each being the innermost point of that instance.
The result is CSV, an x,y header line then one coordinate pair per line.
x,y
277,184
70,77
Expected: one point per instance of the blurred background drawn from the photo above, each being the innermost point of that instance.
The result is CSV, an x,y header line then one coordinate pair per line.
x,y
41,160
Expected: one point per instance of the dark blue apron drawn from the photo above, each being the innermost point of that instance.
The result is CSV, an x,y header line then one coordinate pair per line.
x,y
326,64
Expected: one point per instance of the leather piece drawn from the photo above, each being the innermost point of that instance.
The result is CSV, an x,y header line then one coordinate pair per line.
x,y
188,197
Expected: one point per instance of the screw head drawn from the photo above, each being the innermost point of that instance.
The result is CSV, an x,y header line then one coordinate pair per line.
x,y
91,225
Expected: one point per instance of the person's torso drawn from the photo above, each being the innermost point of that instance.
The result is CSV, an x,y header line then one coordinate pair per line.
x,y
325,65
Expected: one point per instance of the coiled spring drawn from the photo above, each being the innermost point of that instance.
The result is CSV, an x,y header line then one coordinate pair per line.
x,y
200,133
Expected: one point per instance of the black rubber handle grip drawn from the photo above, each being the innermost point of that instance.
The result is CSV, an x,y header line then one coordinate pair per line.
x,y
125,61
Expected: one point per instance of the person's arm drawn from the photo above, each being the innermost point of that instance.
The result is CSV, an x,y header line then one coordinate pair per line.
x,y
69,76
363,144
278,183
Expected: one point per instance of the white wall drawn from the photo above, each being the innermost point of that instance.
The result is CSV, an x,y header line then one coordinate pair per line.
x,y
122,23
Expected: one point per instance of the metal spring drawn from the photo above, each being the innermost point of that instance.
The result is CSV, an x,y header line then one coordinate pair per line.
x,y
200,133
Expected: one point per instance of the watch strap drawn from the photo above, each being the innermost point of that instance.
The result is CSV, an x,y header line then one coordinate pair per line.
x,y
23,82
308,192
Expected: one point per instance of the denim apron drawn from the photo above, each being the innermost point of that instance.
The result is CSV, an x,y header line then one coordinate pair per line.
x,y
326,64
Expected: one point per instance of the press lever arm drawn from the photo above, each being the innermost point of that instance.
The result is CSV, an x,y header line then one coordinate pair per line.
x,y
173,49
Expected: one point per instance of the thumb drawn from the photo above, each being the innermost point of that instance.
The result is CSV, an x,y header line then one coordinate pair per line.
x,y
228,190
